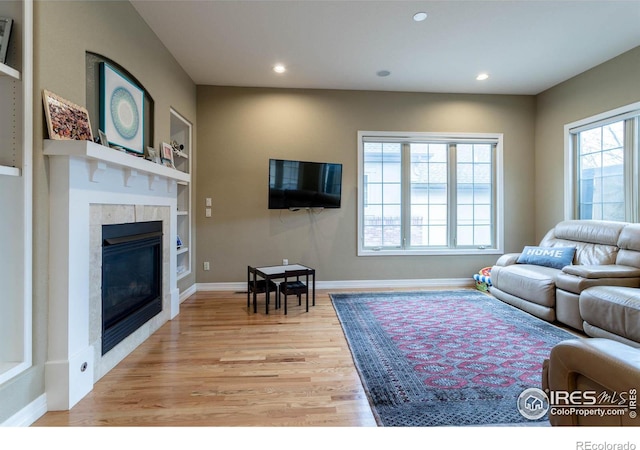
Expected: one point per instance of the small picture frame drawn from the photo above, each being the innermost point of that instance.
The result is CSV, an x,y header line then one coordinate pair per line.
x,y
103,138
167,155
152,155
66,121
5,34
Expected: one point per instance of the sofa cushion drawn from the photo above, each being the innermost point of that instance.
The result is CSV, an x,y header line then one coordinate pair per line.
x,y
527,281
577,284
590,231
612,308
603,271
556,257
596,241
629,243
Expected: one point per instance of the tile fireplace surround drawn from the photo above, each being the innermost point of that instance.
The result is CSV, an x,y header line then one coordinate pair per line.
x,y
90,186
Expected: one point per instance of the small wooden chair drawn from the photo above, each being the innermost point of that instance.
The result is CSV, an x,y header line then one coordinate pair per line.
x,y
295,287
259,287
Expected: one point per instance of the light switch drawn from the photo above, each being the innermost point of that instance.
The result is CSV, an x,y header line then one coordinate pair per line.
x,y
207,212
207,201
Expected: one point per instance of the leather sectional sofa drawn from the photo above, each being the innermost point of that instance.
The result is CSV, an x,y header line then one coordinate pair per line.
x,y
598,294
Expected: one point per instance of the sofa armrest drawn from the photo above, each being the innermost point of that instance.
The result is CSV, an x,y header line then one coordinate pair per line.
x,y
610,364
602,271
507,259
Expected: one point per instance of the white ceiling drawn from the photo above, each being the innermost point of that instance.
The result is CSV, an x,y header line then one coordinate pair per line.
x,y
526,46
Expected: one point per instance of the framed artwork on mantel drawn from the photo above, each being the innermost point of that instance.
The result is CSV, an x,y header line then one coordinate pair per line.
x,y
65,120
121,110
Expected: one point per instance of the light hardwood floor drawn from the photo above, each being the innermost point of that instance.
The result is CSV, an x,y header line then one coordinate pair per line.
x,y
218,364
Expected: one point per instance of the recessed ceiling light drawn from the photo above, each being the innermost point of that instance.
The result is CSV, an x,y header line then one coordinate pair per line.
x,y
419,16
383,73
279,68
482,76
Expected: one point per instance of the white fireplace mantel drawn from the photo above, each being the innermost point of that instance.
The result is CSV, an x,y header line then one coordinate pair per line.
x,y
83,175
99,156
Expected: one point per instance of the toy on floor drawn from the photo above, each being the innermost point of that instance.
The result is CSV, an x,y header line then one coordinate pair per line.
x,y
483,279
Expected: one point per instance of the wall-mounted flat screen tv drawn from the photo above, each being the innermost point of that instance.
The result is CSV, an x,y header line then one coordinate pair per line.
x,y
304,184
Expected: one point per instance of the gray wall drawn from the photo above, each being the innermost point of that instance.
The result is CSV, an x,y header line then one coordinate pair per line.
x,y
241,128
64,31
605,87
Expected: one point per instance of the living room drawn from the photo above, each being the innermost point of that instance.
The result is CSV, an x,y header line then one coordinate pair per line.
x,y
237,129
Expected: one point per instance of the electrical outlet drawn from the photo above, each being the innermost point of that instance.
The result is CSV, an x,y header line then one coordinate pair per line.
x,y
285,262
206,265
207,212
207,201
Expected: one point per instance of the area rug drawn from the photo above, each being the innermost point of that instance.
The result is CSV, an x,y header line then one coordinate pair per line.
x,y
444,358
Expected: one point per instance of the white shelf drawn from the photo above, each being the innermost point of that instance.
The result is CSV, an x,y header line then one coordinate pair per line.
x,y
182,250
9,171
7,71
108,155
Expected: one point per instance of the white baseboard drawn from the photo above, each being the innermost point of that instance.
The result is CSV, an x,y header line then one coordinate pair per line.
x,y
29,414
241,286
188,292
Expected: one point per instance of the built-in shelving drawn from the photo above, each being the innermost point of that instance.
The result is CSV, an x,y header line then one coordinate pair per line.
x,y
8,71
16,154
9,171
181,133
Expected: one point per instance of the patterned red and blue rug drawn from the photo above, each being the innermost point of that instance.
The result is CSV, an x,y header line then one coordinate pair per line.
x,y
444,358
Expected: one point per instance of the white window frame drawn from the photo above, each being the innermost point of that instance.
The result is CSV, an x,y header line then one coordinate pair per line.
x,y
570,159
433,137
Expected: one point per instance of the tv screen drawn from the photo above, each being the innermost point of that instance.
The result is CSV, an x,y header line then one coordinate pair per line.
x,y
304,184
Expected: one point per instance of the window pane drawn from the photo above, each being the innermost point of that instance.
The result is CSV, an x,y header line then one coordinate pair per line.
x,y
382,192
613,135
474,192
601,183
482,153
429,177
464,153
465,235
391,193
391,224
391,173
482,173
438,236
591,141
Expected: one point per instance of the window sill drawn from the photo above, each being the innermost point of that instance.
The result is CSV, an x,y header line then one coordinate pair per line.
x,y
423,252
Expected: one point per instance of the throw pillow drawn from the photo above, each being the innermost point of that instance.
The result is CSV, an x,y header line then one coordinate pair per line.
x,y
556,257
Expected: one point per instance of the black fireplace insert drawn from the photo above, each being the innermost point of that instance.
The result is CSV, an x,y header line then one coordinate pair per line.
x,y
131,278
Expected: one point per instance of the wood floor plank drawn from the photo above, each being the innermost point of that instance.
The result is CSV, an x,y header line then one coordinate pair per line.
x,y
219,364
